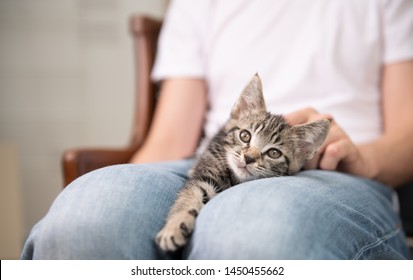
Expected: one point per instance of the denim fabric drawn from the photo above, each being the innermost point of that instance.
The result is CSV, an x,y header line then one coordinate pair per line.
x,y
115,213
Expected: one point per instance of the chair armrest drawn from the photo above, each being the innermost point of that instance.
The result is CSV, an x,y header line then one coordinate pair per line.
x,y
77,162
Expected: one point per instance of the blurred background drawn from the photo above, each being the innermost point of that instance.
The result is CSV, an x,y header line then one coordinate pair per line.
x,y
66,68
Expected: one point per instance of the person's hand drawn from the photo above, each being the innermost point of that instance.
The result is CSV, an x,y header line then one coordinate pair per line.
x,y
338,151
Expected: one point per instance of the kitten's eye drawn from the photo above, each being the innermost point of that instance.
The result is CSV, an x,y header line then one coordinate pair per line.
x,y
245,136
274,153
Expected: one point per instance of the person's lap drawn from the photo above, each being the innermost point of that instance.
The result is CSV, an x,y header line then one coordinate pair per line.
x,y
115,213
111,213
313,215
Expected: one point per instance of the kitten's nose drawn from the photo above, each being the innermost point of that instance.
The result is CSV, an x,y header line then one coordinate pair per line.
x,y
249,159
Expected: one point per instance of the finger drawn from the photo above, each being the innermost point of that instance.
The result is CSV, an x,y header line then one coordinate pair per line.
x,y
334,153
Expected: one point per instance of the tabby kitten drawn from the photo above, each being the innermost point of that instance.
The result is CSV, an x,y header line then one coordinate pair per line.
x,y
253,144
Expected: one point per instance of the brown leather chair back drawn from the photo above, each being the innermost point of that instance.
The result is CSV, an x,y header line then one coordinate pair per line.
x,y
77,162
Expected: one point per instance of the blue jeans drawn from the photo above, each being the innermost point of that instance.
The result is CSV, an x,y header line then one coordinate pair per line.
x,y
115,213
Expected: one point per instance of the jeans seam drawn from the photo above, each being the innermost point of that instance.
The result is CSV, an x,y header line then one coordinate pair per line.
x,y
376,243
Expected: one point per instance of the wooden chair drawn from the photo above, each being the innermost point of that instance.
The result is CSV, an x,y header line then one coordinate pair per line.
x,y
77,162
145,31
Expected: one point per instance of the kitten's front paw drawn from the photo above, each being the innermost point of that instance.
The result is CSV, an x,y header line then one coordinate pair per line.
x,y
176,231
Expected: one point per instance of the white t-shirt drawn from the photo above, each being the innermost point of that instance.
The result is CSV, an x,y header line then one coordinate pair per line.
x,y
326,54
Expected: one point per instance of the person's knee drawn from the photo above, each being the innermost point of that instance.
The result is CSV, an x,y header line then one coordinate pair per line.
x,y
282,218
109,213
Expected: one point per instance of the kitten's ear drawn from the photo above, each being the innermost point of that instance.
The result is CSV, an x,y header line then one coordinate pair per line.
x,y
308,138
251,99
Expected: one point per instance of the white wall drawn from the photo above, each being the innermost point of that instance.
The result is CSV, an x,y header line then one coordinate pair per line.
x,y
66,80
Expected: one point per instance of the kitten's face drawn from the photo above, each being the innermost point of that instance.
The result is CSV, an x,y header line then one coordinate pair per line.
x,y
260,145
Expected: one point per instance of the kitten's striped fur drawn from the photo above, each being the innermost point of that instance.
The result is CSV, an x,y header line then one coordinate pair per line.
x,y
253,144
